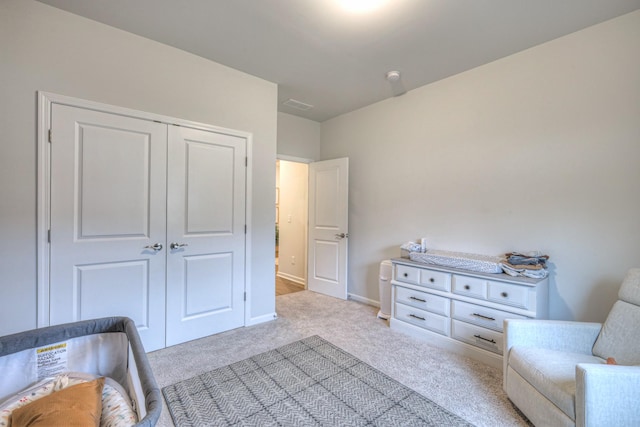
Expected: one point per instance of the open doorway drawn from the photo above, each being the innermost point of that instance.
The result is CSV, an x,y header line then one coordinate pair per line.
x,y
291,226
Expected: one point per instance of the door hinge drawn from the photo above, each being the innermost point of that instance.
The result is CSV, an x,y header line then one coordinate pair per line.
x,y
49,136
245,296
245,229
246,161
48,236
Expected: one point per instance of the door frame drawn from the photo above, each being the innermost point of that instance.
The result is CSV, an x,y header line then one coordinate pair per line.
x,y
43,196
307,162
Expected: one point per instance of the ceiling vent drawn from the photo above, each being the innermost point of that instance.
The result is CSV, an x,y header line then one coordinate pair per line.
x,y
298,105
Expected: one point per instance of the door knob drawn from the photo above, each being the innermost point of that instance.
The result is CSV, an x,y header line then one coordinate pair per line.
x,y
342,235
177,245
155,247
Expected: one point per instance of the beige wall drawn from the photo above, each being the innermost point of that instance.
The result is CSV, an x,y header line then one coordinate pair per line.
x,y
43,48
298,137
539,150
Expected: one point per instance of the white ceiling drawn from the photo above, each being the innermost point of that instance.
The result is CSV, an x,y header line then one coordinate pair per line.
x,y
321,54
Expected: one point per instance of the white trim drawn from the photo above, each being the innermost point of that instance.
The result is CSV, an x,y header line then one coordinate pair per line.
x,y
293,159
363,300
247,248
42,210
45,103
295,279
137,114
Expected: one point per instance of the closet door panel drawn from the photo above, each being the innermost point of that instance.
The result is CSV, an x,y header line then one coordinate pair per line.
x,y
209,284
209,188
113,182
100,289
108,210
205,233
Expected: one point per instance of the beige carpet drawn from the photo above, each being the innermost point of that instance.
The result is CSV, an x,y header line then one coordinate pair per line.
x,y
465,387
308,383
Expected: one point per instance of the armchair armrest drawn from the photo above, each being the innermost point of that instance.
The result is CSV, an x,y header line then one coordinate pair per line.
x,y
560,335
605,393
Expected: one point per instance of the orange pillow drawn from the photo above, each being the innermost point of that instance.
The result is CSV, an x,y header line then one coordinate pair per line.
x,y
79,405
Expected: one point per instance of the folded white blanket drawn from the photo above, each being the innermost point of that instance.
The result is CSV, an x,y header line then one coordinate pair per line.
x,y
465,261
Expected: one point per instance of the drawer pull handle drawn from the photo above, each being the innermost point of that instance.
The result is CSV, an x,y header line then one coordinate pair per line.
x,y
482,317
417,317
406,274
418,299
467,287
482,338
504,294
432,280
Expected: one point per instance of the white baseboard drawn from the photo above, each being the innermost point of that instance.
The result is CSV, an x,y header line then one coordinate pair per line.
x,y
364,300
295,279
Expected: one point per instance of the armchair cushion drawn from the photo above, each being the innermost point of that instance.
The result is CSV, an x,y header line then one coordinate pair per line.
x,y
620,335
552,373
630,289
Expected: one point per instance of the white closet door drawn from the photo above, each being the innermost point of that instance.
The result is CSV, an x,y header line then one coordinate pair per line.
x,y
108,210
205,233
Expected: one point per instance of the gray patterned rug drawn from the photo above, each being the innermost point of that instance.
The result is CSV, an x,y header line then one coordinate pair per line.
x,y
310,382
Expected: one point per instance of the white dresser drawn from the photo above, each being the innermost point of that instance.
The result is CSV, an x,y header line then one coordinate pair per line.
x,y
461,310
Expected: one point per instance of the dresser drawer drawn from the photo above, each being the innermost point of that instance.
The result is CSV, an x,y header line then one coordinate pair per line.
x,y
407,274
477,336
482,316
422,300
507,293
470,286
436,280
422,318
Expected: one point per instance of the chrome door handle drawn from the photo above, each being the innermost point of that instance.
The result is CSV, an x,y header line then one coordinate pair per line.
x,y
342,235
155,247
177,245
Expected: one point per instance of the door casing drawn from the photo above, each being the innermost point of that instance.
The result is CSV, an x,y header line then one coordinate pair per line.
x,y
43,197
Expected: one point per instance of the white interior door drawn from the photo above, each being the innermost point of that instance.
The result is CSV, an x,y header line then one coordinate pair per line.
x,y
147,220
328,227
108,219
205,233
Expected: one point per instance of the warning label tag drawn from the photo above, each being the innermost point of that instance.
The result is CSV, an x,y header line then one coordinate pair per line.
x,y
51,360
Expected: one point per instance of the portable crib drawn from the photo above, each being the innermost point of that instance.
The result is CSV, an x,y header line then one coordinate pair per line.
x,y
108,347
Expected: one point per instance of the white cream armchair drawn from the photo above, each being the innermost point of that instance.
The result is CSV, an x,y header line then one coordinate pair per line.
x,y
556,373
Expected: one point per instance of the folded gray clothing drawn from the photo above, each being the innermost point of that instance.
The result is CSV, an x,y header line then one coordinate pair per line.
x,y
516,258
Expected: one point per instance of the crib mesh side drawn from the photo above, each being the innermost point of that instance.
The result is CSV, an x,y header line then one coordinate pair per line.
x,y
109,346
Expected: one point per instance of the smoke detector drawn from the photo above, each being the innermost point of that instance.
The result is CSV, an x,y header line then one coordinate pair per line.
x,y
393,76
